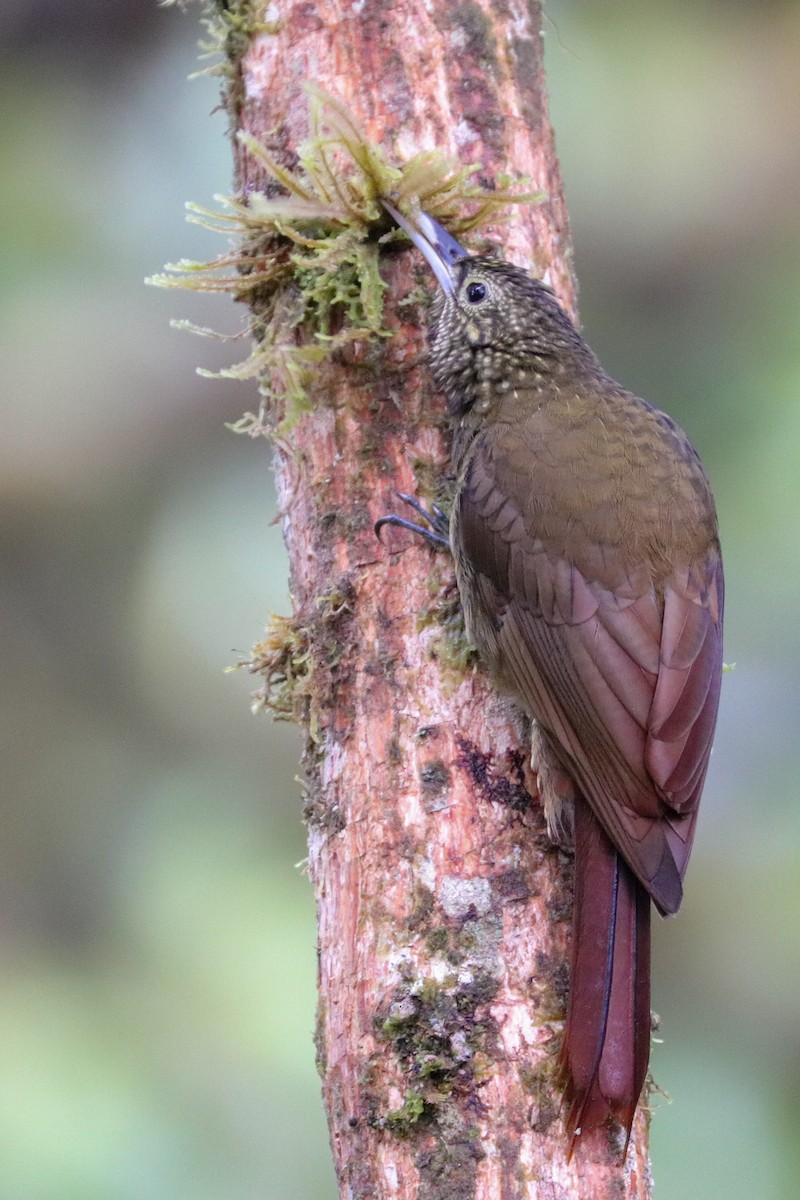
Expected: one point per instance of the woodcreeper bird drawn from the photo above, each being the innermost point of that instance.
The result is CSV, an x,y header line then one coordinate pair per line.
x,y
588,563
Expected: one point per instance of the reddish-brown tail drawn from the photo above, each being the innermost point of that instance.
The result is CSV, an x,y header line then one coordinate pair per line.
x,y
607,1036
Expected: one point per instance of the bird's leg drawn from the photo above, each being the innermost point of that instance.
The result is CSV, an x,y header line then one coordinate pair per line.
x,y
436,527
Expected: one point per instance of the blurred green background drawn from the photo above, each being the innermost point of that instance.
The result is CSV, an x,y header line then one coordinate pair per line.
x,y
158,961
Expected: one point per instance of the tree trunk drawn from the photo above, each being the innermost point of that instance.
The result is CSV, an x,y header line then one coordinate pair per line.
x,y
443,909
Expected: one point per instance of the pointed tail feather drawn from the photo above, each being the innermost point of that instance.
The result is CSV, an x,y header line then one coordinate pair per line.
x,y
606,1045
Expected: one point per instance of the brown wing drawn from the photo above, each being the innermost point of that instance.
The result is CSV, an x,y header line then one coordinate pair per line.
x,y
623,673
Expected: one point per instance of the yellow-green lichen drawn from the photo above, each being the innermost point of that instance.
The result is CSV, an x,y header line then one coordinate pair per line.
x,y
306,256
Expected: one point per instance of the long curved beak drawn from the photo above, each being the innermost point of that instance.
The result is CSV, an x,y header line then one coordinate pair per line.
x,y
441,250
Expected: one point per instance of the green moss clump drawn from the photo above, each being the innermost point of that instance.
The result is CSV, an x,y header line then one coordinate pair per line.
x,y
401,1121
228,28
436,1035
295,658
306,258
440,1044
283,659
452,649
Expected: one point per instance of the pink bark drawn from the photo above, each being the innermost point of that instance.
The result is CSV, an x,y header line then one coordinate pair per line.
x,y
443,910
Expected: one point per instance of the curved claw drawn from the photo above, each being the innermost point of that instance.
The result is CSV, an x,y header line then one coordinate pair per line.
x,y
435,530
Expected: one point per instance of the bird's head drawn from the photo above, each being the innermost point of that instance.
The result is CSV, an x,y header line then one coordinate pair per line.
x,y
493,326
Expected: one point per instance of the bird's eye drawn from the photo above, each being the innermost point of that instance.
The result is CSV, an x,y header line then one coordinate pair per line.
x,y
476,292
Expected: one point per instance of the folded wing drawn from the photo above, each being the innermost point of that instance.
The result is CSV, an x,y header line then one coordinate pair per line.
x,y
624,674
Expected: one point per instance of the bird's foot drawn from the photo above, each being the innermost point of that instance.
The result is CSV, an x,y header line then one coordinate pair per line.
x,y
436,527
